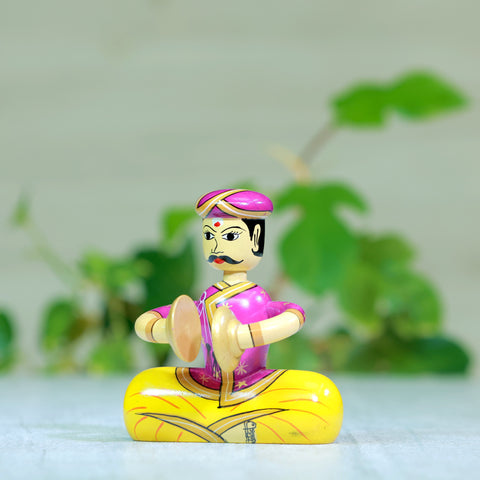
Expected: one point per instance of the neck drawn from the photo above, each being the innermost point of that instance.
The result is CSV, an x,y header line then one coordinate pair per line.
x,y
234,277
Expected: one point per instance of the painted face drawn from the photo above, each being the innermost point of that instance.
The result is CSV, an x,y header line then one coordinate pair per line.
x,y
227,245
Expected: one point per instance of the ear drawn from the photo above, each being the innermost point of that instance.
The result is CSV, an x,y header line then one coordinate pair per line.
x,y
256,237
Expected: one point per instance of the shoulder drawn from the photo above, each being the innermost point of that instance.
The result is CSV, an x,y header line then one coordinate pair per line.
x,y
261,292
211,290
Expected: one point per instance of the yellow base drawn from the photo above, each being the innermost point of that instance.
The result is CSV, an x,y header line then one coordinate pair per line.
x,y
298,407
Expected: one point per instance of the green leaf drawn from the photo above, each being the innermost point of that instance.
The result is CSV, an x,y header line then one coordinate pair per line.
x,y
385,252
7,337
359,294
111,274
426,355
21,212
324,196
59,323
416,95
421,94
334,349
167,275
361,106
412,305
96,266
119,315
175,220
381,292
317,250
111,356
441,355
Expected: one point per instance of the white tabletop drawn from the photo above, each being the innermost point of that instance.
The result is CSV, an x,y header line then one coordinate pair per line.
x,y
72,427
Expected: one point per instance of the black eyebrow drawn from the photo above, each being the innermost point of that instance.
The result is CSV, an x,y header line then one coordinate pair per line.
x,y
233,226
208,226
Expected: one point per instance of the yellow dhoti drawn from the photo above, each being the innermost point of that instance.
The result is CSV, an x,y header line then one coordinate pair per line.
x,y
287,406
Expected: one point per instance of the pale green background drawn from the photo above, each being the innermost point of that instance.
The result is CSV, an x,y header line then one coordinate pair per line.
x,y
111,110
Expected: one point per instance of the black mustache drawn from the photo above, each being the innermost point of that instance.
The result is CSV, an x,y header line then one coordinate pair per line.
x,y
225,258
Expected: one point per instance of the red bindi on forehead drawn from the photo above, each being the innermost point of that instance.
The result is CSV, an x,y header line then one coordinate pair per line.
x,y
216,224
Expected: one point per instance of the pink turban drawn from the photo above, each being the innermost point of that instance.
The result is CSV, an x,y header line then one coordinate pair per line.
x,y
234,203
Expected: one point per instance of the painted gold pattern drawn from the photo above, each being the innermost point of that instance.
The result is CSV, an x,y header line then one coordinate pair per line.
x,y
188,425
317,419
229,209
301,318
225,206
205,208
149,329
256,334
224,294
213,432
226,397
221,426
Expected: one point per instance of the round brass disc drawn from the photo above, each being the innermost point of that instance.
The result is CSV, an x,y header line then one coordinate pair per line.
x,y
183,328
224,339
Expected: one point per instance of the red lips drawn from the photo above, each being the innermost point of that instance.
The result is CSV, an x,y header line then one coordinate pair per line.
x,y
219,260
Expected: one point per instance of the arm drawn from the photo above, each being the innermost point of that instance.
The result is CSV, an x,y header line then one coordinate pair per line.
x,y
272,330
150,326
231,338
285,320
178,325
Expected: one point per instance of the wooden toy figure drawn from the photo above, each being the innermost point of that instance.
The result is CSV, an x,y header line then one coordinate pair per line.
x,y
234,398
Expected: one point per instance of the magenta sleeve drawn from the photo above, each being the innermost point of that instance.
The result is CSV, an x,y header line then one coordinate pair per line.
x,y
276,308
163,311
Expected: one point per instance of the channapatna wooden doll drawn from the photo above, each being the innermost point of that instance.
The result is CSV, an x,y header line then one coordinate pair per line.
x,y
234,397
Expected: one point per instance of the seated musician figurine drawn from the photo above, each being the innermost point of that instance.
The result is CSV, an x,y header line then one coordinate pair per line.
x,y
234,398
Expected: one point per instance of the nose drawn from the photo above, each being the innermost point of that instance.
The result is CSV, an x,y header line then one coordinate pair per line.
x,y
215,248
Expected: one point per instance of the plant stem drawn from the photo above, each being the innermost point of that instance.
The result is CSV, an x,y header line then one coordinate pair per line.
x,y
303,174
316,143
48,255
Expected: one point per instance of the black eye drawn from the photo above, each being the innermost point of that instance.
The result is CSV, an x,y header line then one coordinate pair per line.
x,y
208,235
230,236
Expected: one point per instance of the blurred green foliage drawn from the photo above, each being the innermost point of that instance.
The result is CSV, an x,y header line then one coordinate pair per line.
x,y
389,314
319,240
75,335
415,96
7,339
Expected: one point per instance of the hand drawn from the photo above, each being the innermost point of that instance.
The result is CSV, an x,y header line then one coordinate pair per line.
x,y
225,328
181,329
